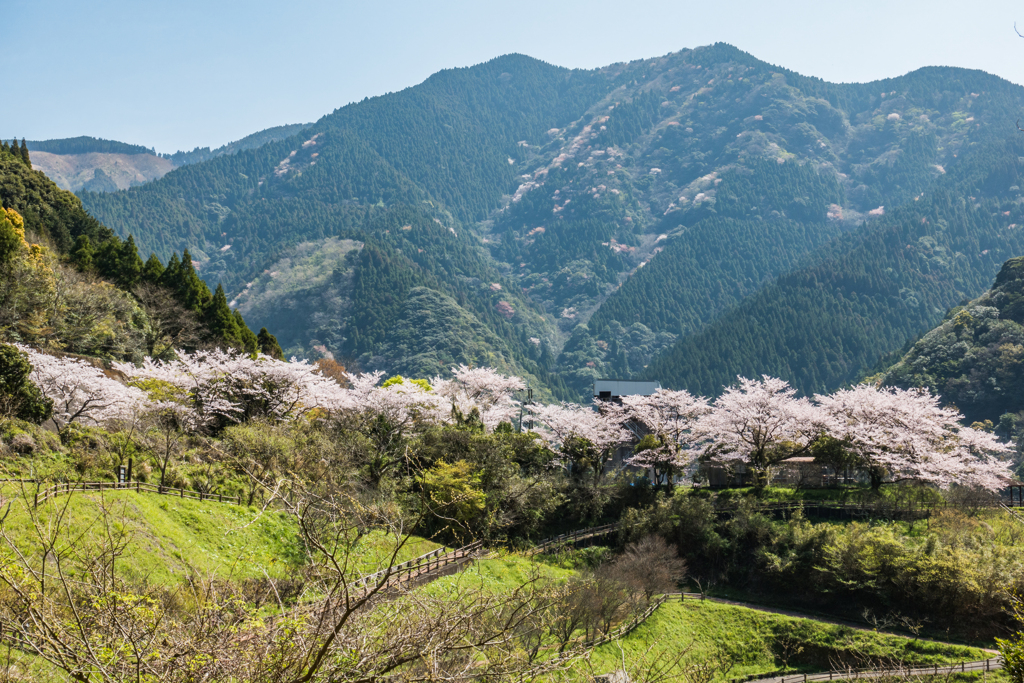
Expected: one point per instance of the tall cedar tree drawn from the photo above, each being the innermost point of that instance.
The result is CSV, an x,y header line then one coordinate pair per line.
x,y
247,338
268,344
172,273
129,263
82,253
153,270
24,153
191,289
219,320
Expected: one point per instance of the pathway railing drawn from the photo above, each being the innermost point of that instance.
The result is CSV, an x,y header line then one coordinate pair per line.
x,y
624,629
410,570
1013,513
574,537
68,488
993,664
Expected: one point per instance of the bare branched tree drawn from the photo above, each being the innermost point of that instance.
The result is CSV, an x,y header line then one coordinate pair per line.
x,y
66,599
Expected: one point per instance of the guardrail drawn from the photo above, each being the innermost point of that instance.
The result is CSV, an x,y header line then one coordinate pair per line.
x,y
68,488
993,664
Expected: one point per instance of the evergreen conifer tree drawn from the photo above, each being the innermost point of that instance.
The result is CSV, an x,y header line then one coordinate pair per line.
x,y
18,395
129,264
219,320
4,147
153,270
24,153
192,291
246,336
172,273
268,344
107,257
82,253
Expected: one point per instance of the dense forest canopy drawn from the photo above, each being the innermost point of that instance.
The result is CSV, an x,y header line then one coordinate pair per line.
x,y
639,219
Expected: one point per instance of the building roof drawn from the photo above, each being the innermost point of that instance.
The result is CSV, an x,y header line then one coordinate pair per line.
x,y
613,388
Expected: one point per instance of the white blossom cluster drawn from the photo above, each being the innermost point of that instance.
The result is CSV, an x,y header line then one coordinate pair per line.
x,y
80,391
906,433
215,385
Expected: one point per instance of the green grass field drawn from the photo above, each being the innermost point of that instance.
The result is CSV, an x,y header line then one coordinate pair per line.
x,y
170,538
762,642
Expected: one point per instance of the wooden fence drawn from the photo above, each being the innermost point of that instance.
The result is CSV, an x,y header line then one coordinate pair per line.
x,y
574,537
934,670
68,488
414,568
1014,514
624,629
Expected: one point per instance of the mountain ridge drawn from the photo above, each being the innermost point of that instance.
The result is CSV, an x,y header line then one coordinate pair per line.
x,y
652,156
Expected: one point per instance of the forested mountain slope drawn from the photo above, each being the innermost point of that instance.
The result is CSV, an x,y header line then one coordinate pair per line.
x,y
821,326
69,284
975,357
583,221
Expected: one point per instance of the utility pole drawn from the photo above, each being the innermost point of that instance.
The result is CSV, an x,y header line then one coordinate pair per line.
x,y
528,401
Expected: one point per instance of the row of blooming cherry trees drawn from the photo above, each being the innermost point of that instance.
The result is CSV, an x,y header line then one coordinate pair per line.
x,y
904,433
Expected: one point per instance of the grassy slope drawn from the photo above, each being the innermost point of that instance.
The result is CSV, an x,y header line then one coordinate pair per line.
x,y
751,635
172,537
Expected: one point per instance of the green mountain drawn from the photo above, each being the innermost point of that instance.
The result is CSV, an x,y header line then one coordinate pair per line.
x,y
69,284
632,219
252,141
824,325
975,356
86,145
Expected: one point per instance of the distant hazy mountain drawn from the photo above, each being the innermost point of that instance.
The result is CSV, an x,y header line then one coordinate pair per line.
x,y
95,165
704,209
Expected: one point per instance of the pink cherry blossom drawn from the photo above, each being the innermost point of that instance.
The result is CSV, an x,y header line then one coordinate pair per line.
x,y
759,422
81,392
672,418
484,389
908,434
559,424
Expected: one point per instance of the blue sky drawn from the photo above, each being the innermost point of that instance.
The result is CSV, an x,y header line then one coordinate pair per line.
x,y
187,73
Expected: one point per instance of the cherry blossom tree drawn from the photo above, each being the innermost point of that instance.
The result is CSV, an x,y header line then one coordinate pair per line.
x,y
484,390
81,392
759,422
665,425
583,437
906,433
228,386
